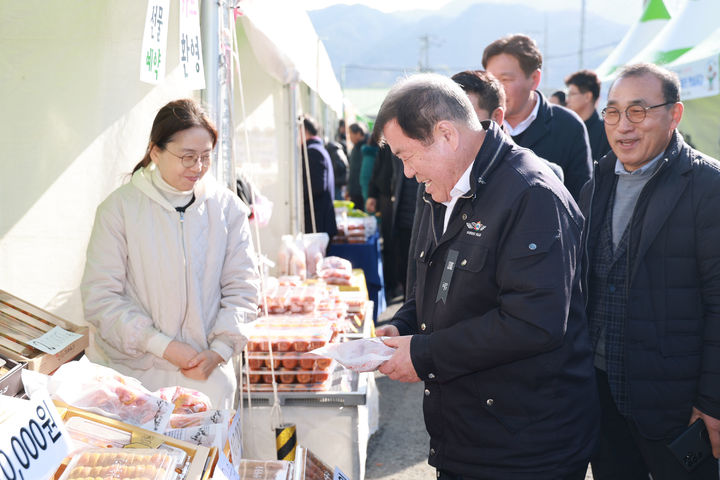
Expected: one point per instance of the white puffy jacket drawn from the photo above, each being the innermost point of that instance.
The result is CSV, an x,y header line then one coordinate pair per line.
x,y
153,275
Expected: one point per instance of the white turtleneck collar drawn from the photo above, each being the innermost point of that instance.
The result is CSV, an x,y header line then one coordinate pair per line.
x,y
177,198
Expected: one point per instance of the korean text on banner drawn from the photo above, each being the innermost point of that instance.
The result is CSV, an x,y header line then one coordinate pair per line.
x,y
190,45
153,56
34,442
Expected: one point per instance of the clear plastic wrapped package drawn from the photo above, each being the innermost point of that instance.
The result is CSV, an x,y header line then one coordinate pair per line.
x,y
88,434
313,379
122,464
102,390
185,400
335,270
265,470
287,334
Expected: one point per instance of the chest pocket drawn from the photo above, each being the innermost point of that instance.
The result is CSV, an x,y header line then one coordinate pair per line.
x,y
471,258
529,256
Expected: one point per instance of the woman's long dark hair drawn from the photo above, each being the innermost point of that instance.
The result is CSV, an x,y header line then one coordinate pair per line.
x,y
174,117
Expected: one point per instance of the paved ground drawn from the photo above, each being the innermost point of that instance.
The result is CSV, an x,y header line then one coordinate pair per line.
x,y
398,451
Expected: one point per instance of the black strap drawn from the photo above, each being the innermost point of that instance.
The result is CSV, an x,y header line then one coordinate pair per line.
x,y
182,209
438,220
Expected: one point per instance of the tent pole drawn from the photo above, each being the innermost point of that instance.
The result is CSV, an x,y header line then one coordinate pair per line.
x,y
296,200
209,19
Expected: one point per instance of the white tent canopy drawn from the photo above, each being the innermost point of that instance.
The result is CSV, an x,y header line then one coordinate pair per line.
x,y
684,31
289,49
654,18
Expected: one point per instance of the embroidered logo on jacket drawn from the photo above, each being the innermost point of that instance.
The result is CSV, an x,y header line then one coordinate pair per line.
x,y
477,226
474,228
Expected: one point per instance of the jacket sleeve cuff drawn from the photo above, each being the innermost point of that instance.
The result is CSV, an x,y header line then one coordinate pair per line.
x,y
421,357
222,348
157,343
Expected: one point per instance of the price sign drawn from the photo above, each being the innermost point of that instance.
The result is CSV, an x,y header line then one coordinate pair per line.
x,y
54,341
224,470
339,475
153,56
34,442
190,45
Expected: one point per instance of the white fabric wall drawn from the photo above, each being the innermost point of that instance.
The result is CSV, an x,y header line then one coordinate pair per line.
x,y
267,106
75,121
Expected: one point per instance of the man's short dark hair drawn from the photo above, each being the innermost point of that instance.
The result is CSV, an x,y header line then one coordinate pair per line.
x,y
668,80
561,97
585,81
419,102
310,125
358,128
520,46
489,90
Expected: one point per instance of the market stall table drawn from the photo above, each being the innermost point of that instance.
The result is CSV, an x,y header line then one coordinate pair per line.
x,y
335,426
367,257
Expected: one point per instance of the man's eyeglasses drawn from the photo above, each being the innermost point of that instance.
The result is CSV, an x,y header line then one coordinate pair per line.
x,y
190,160
634,113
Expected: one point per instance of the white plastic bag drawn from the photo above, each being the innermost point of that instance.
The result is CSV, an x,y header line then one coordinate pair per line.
x,y
102,390
315,245
362,355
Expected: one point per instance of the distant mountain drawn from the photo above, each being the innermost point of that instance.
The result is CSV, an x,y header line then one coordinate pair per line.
x,y
376,48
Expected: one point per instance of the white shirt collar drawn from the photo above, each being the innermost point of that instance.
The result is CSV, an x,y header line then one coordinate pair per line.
x,y
461,187
522,126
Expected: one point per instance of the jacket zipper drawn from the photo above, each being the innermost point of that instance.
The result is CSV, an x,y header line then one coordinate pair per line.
x,y
185,268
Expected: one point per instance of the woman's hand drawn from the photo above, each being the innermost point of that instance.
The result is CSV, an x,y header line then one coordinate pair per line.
x,y
180,354
203,365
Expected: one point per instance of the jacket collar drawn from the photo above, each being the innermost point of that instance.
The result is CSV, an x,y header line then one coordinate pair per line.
x,y
672,155
541,126
142,181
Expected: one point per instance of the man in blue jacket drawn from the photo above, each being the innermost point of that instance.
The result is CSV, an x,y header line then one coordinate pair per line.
x,y
551,131
495,326
653,283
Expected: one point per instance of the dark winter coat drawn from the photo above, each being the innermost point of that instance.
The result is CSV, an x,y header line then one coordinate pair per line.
x,y
323,188
505,357
672,323
559,136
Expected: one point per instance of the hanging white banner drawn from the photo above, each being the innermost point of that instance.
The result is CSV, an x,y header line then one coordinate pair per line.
x,y
190,45
153,56
698,79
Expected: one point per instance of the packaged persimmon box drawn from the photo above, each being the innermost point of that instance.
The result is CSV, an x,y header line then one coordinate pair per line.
x,y
286,334
288,361
120,463
291,380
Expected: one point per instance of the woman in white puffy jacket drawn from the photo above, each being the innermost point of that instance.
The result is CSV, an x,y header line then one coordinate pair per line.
x,y
170,274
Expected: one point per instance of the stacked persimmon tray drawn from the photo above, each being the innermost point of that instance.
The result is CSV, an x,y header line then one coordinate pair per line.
x,y
279,346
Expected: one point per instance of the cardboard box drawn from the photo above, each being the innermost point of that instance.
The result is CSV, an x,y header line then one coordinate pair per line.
x,y
30,317
202,459
11,381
